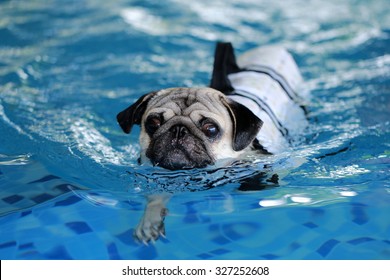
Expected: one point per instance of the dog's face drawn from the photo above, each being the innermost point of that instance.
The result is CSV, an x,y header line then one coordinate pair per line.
x,y
185,128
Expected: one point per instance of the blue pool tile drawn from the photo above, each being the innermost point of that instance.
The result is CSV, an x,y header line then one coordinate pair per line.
x,y
113,252
361,240
42,197
270,256
12,199
64,187
221,240
327,247
79,227
219,252
126,237
45,179
25,246
359,213
58,253
294,246
204,256
147,252
310,225
68,201
8,244
25,213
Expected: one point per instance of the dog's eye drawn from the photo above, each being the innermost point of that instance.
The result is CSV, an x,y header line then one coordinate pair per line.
x,y
152,124
210,130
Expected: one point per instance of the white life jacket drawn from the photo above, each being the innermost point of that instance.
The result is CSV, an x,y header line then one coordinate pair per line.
x,y
266,81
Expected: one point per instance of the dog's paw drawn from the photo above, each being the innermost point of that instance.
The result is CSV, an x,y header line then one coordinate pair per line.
x,y
151,226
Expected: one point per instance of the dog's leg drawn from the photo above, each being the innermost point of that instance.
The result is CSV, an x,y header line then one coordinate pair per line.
x,y
151,225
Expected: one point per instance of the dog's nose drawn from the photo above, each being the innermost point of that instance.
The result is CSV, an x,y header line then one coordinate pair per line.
x,y
179,131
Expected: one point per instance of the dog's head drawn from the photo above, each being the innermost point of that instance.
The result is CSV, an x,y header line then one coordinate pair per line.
x,y
185,128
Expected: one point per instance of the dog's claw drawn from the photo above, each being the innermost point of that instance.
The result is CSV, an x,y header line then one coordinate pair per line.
x,y
151,225
149,230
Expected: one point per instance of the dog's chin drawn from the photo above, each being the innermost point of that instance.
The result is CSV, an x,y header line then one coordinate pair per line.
x,y
177,159
176,156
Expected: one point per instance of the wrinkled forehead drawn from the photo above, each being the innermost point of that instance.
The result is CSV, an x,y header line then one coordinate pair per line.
x,y
195,103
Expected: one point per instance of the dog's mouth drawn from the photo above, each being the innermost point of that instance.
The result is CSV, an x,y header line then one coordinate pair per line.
x,y
178,159
186,153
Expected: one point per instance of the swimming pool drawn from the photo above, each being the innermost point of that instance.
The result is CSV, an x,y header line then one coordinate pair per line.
x,y
70,185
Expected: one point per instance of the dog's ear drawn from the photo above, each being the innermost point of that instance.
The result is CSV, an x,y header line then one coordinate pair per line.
x,y
133,114
246,125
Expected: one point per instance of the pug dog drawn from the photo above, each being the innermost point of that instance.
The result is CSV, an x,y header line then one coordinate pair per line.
x,y
184,128
251,105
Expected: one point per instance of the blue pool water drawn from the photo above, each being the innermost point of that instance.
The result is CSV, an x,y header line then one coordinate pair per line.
x,y
70,185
